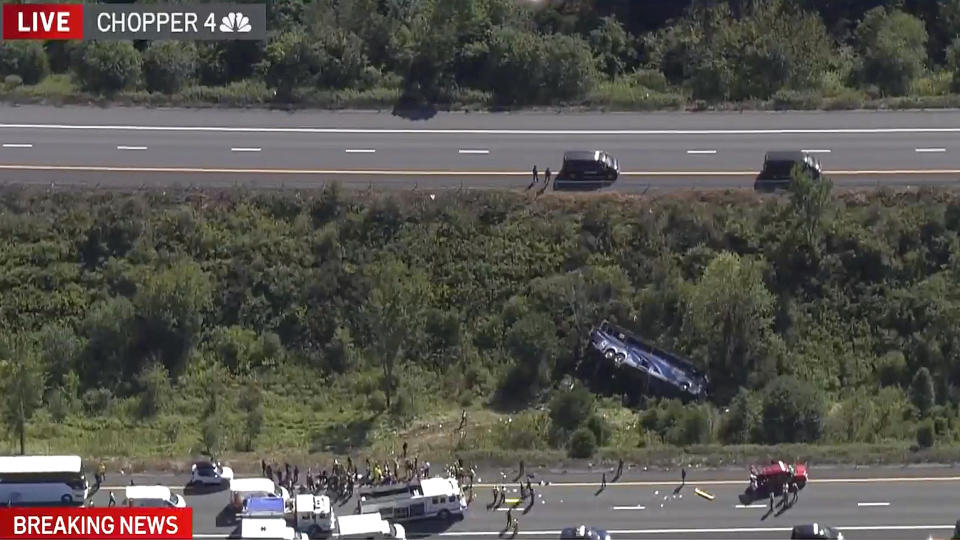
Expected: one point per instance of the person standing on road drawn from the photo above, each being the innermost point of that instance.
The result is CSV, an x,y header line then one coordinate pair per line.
x,y
546,176
683,476
771,500
619,468
603,481
536,175
263,468
113,500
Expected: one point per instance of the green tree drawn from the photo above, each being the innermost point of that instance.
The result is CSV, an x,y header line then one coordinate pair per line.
x,y
925,433
793,411
60,351
394,311
809,201
921,392
571,408
170,305
741,421
613,47
570,71
168,66
583,443
730,313
24,58
892,46
155,389
107,66
251,403
532,343
23,384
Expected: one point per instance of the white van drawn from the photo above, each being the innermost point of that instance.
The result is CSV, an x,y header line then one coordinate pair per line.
x,y
244,488
313,513
268,529
153,497
369,527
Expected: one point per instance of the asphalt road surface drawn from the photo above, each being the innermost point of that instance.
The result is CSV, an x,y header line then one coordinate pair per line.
x,y
143,147
875,504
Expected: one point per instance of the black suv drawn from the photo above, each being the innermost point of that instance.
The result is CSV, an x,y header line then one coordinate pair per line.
x,y
778,166
586,170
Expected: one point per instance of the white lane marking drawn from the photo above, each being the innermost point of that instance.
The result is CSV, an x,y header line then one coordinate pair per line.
x,y
360,151
817,151
17,145
929,150
245,149
121,147
638,507
467,151
869,504
709,531
744,506
905,479
223,129
701,151
383,172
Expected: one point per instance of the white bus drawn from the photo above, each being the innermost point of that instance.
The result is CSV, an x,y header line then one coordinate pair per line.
x,y
428,498
42,481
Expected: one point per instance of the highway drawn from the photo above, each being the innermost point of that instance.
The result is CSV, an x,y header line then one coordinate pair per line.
x,y
875,504
133,147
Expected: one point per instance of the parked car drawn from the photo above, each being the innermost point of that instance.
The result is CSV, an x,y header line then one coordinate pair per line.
x,y
583,532
586,170
815,531
626,350
208,473
778,166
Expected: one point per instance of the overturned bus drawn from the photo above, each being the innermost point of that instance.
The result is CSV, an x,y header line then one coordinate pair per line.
x,y
663,372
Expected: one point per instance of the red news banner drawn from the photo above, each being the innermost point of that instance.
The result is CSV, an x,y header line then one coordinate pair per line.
x,y
96,523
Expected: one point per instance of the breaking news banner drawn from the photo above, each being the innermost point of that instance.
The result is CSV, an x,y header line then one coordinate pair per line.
x,y
134,21
96,523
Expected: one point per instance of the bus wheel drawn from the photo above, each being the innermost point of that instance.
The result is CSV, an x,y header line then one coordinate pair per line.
x,y
444,515
67,499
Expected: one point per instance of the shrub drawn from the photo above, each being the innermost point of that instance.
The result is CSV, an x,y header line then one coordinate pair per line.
x,y
583,444
24,58
107,66
96,401
601,429
168,66
921,392
12,81
571,408
925,433
793,411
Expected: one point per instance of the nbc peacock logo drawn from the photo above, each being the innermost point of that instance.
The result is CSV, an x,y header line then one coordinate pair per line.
x,y
235,22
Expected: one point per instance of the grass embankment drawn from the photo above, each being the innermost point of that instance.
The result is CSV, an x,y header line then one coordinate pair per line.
x,y
157,326
624,95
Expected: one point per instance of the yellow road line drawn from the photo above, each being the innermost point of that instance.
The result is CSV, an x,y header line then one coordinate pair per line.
x,y
388,172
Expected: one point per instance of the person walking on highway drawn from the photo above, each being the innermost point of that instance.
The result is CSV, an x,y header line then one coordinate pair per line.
x,y
771,500
603,481
683,476
536,175
546,176
113,500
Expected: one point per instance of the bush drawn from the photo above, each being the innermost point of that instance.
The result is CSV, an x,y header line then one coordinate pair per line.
x,y
921,392
891,368
570,409
12,81
24,58
601,429
107,66
96,401
168,66
583,444
793,411
925,433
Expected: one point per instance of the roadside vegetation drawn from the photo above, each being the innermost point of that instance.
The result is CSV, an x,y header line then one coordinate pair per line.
x,y
153,324
620,54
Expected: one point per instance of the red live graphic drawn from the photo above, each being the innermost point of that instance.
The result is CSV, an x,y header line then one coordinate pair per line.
x,y
96,523
42,21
